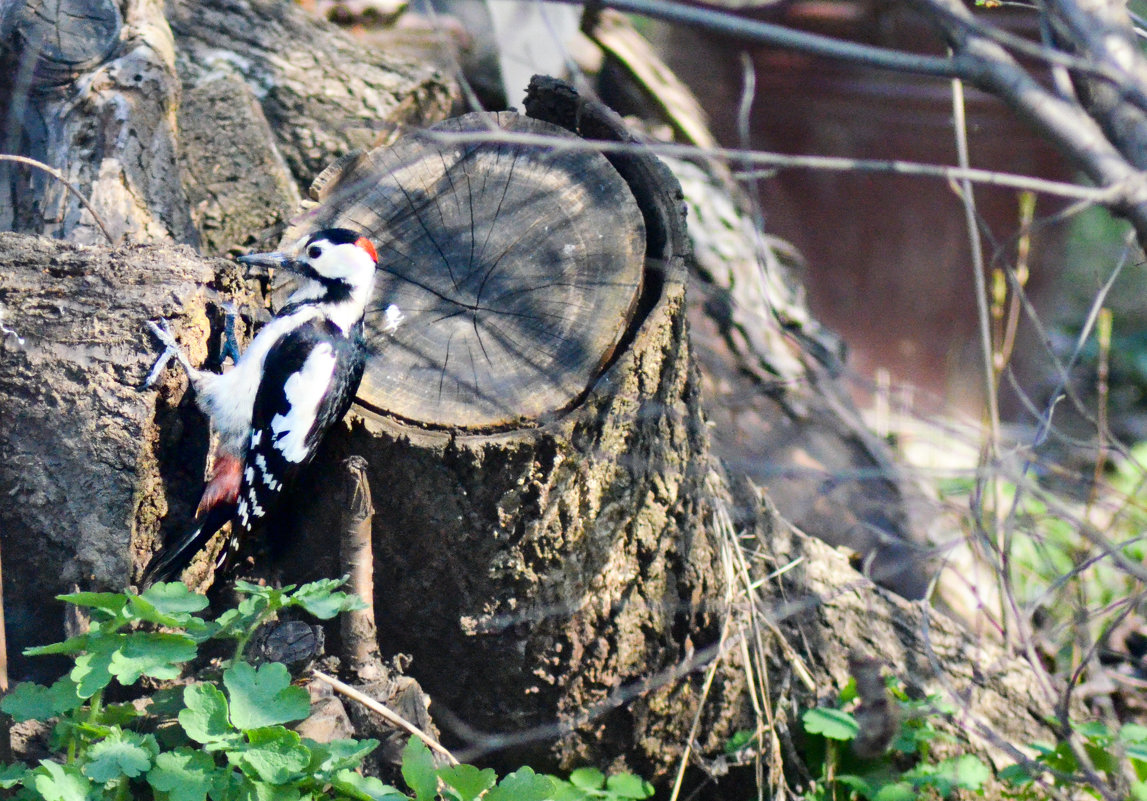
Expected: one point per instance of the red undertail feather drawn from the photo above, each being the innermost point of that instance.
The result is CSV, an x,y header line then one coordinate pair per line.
x,y
224,484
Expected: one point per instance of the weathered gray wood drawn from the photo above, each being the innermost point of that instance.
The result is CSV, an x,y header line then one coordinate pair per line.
x,y
237,182
58,39
92,465
323,93
112,135
516,268
112,128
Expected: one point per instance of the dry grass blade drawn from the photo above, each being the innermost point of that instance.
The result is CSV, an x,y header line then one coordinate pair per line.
x,y
388,714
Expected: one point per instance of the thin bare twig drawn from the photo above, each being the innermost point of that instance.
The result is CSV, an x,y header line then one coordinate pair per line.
x,y
389,714
59,176
768,163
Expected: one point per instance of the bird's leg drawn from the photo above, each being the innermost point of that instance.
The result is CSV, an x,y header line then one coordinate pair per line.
x,y
230,345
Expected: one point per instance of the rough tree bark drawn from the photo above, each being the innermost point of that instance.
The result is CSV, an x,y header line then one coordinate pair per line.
x,y
566,584
90,462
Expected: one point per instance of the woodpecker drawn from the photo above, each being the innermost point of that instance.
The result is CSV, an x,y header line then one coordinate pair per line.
x,y
296,379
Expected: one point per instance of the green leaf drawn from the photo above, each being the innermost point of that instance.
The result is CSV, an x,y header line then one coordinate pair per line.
x,y
172,605
834,724
120,754
56,782
588,779
264,697
848,692
110,604
966,772
29,701
173,598
365,788
121,715
859,784
91,673
897,791
151,654
249,790
11,775
419,771
205,716
565,791
522,785
239,621
273,754
1018,773
328,758
1095,730
166,702
260,597
72,645
1133,733
467,780
626,785
320,599
185,774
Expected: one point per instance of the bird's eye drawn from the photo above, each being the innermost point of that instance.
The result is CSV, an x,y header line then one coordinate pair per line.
x,y
314,251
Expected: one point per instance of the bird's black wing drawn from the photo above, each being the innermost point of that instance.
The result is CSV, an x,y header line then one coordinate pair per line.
x,y
309,380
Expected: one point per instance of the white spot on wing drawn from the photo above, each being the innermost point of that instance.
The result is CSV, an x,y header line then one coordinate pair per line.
x,y
256,509
243,511
304,391
256,437
249,474
268,479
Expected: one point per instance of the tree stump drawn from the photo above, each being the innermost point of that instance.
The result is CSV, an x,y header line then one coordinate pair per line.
x,y
561,577
540,548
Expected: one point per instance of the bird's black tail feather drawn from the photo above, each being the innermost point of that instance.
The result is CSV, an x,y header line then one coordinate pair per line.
x,y
168,564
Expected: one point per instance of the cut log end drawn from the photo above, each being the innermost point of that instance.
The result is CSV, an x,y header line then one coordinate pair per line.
x,y
517,268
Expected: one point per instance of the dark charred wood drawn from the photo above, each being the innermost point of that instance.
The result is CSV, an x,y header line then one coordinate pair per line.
x,y
295,643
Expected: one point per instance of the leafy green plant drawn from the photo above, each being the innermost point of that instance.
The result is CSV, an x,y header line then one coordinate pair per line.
x,y
845,775
1107,751
585,784
227,740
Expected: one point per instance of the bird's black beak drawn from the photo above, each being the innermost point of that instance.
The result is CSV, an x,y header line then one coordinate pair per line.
x,y
263,263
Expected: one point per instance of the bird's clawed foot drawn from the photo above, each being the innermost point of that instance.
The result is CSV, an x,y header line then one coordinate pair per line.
x,y
162,332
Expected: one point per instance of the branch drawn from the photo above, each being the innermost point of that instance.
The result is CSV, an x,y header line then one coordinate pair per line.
x,y
1115,97
389,714
987,66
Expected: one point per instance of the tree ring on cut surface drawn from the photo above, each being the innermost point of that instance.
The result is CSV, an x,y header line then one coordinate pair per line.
x,y
516,267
